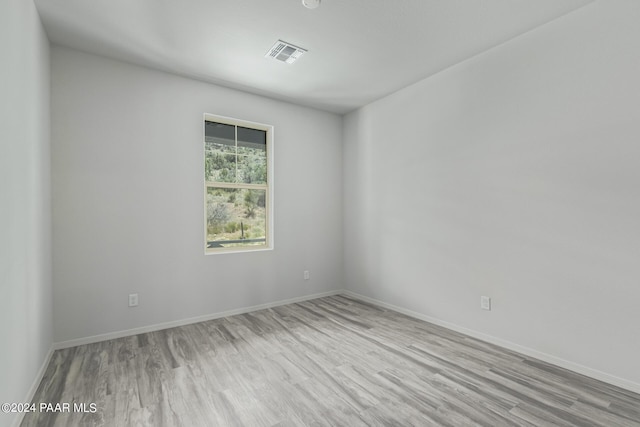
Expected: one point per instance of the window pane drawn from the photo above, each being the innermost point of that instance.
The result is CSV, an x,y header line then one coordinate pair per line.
x,y
252,165
235,217
252,138
220,152
223,134
252,156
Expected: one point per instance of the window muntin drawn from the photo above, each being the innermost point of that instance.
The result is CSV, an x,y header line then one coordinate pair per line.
x,y
237,171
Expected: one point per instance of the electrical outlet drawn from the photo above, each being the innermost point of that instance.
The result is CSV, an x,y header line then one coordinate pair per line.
x,y
133,300
306,275
485,303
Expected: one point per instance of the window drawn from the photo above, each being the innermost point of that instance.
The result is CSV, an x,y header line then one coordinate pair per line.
x,y
237,185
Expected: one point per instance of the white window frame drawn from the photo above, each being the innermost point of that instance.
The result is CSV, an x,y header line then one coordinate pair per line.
x,y
268,245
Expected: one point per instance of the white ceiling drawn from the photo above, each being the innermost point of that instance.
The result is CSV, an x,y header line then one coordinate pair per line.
x,y
358,50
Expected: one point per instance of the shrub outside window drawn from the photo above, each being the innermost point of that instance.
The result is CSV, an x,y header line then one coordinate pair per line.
x,y
238,158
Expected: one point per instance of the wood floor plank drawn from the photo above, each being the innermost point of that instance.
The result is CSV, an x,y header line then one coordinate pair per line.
x,y
333,361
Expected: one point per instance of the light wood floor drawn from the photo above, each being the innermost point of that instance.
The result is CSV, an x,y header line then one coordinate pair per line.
x,y
332,361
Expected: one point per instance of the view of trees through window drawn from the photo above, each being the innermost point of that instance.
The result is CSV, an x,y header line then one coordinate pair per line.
x,y
236,185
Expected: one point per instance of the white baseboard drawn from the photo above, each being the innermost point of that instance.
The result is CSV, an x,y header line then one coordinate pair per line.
x,y
188,321
34,386
580,369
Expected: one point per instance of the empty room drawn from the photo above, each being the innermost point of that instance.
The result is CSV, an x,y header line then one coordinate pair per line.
x,y
320,213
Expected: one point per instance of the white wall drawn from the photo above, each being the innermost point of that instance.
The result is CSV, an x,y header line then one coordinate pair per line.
x,y
516,175
25,201
128,199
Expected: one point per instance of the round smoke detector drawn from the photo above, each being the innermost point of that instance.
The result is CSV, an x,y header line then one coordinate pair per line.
x,y
311,4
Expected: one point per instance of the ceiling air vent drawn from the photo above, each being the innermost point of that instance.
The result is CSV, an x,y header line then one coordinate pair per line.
x,y
285,52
